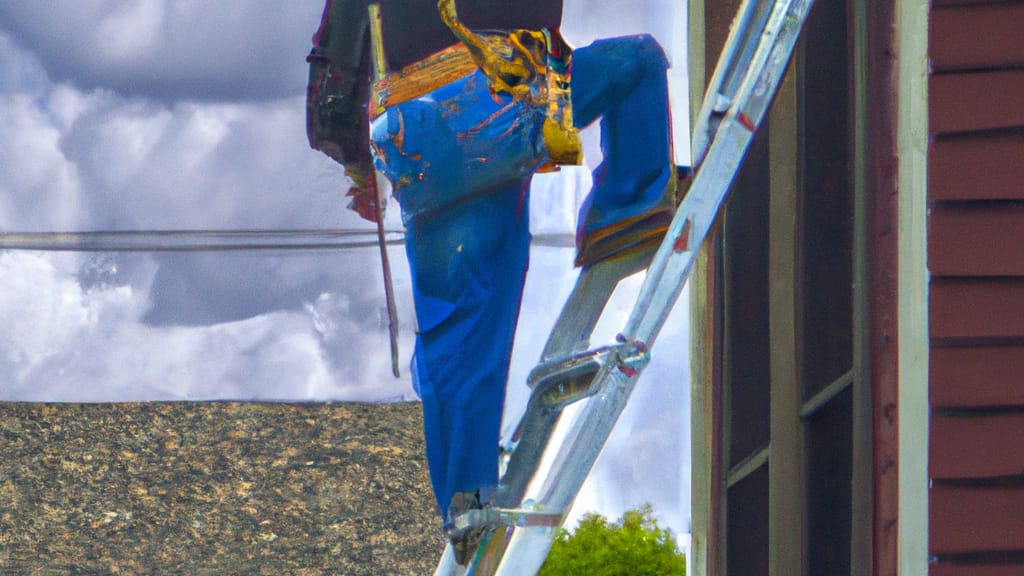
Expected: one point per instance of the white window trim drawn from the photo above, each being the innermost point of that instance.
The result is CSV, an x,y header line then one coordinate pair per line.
x,y
912,298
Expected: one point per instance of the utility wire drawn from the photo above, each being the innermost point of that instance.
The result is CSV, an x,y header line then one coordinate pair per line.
x,y
220,240
196,240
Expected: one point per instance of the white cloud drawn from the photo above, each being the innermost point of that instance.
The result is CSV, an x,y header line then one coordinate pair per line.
x,y
143,164
198,325
169,49
587,20
189,166
63,341
132,28
39,187
19,71
44,315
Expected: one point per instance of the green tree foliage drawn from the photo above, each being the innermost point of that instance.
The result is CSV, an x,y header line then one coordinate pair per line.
x,y
633,546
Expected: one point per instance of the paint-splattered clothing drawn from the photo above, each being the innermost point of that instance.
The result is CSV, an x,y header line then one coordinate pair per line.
x,y
461,158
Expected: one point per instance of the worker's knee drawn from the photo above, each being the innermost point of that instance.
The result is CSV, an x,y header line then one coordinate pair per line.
x,y
648,53
640,55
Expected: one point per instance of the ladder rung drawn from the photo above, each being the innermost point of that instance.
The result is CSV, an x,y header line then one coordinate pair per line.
x,y
565,380
489,517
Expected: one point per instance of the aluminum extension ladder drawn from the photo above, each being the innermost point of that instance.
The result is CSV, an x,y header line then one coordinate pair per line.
x,y
520,530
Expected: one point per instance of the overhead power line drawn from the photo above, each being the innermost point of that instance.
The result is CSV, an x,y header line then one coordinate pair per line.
x,y
218,240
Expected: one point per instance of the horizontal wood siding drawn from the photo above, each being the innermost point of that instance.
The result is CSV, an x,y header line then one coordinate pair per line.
x,y
982,308
976,239
975,376
976,299
977,166
966,519
973,569
977,446
937,3
960,29
972,101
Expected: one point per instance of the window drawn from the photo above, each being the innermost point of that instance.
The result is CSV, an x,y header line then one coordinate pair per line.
x,y
825,289
787,393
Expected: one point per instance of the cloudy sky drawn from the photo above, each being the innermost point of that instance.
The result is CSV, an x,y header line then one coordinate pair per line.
x,y
186,115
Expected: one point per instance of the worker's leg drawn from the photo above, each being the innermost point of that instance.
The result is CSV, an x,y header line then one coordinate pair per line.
x,y
623,81
469,264
461,161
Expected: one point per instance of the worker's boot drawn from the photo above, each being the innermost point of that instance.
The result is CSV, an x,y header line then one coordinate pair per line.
x,y
639,233
464,543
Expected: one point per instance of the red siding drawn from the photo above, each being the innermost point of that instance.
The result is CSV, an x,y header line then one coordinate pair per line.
x,y
972,519
949,569
938,3
977,37
976,101
979,166
977,308
976,446
976,240
974,376
976,302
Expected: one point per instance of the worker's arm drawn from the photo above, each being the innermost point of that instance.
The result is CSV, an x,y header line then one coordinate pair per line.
x,y
336,119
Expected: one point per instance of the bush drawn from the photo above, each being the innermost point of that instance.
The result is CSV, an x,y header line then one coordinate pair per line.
x,y
633,546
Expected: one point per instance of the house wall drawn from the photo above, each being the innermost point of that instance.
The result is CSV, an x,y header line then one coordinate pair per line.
x,y
976,307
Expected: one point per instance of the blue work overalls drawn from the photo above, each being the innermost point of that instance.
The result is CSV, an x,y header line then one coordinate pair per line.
x,y
461,159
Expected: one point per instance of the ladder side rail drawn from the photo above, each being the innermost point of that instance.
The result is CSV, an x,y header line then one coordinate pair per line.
x,y
529,546
538,424
672,265
740,46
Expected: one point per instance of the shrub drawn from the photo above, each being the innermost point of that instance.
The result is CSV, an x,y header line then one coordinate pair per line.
x,y
633,546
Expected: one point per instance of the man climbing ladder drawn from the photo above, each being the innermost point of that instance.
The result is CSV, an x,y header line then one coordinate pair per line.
x,y
458,123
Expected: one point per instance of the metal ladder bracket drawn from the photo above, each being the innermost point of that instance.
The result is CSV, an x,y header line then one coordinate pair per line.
x,y
490,517
561,382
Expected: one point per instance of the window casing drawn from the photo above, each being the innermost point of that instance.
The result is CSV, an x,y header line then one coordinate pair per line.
x,y
790,394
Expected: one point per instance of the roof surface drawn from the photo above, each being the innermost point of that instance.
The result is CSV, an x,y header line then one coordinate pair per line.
x,y
215,488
